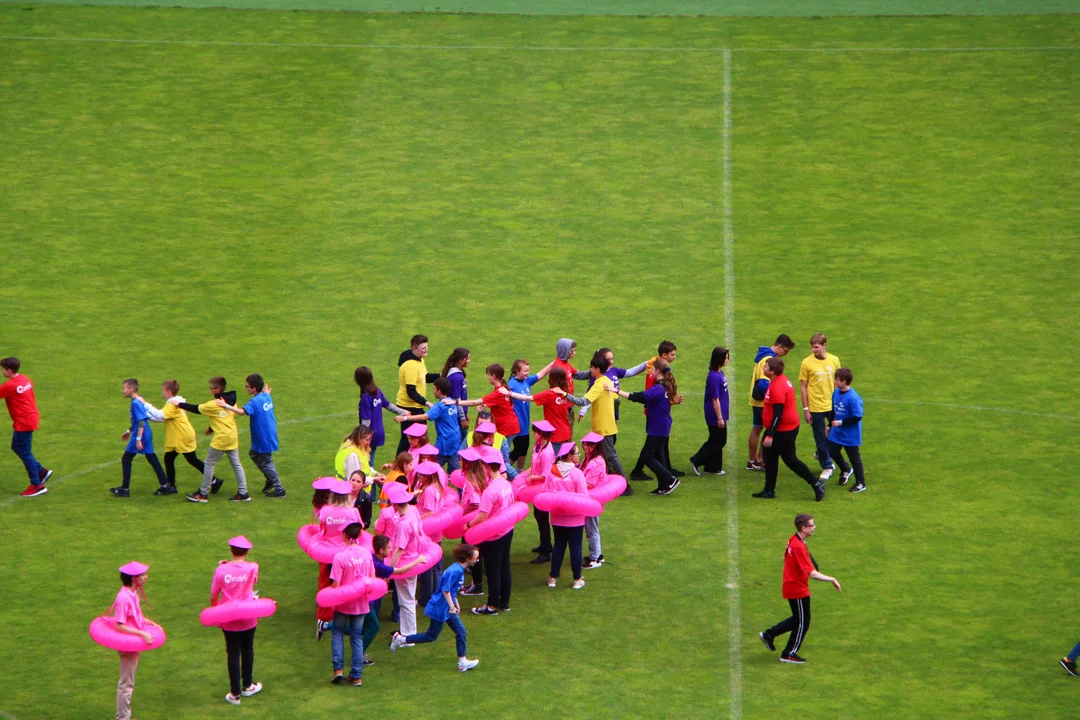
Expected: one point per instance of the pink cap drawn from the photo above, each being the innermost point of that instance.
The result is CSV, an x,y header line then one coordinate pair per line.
x,y
240,542
341,487
544,426
134,568
470,453
428,449
324,483
397,493
593,438
427,468
565,449
415,430
486,427
492,456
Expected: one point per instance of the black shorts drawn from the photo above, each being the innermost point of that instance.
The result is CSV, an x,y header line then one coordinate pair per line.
x,y
519,447
757,416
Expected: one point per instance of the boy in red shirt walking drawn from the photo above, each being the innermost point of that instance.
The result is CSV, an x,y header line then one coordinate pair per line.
x,y
781,420
18,393
798,568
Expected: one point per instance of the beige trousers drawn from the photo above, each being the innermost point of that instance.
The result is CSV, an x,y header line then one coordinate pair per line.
x,y
129,663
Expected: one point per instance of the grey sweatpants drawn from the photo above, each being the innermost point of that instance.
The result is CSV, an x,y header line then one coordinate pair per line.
x,y
212,457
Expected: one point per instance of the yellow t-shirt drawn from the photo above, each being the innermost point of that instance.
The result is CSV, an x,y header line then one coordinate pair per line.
x,y
603,407
818,375
411,372
758,374
179,434
223,423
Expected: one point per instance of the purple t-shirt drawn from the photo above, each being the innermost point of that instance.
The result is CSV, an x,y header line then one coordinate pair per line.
x,y
658,421
459,389
371,408
715,389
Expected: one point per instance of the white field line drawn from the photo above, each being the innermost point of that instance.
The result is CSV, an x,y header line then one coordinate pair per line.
x,y
528,48
101,466
734,602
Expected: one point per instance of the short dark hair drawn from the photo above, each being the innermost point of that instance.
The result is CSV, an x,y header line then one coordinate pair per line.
x,y
255,380
237,551
126,579
379,542
600,362
10,363
353,530
496,370
417,340
783,340
844,375
484,415
665,347
776,365
132,382
463,552
172,386
802,520
719,355
605,351
443,386
218,382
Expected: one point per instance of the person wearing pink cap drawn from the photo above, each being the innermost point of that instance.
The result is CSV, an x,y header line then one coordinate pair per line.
x,y
594,467
431,491
407,540
475,482
498,494
542,459
127,614
333,517
487,435
235,580
566,477
351,564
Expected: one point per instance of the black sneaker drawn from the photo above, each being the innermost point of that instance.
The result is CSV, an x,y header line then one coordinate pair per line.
x,y
196,497
240,498
657,491
628,491
638,475
276,493
165,490
766,494
671,488
857,487
768,641
367,661
694,467
267,487
539,560
1070,666
44,476
216,485
676,473
538,549
484,610
819,491
120,491
793,659
472,590
845,475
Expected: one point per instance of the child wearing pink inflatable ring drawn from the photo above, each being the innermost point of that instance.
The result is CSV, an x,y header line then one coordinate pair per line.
x,y
352,563
380,545
235,580
498,494
568,529
594,467
475,483
407,540
542,459
127,614
429,499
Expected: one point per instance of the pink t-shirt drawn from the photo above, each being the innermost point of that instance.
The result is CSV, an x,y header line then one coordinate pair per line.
x,y
595,471
386,523
431,501
235,579
333,519
127,609
574,482
498,495
408,535
470,497
350,564
542,462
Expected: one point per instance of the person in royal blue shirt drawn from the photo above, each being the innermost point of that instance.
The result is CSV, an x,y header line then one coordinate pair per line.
x,y
445,416
845,432
264,439
521,382
658,401
140,442
710,458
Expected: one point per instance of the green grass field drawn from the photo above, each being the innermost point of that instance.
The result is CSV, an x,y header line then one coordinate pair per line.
x,y
297,204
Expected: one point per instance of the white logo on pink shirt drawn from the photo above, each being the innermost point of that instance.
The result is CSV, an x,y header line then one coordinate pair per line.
x,y
236,578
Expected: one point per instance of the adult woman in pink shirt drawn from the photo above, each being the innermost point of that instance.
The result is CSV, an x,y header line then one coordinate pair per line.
x,y
235,580
498,494
127,614
566,477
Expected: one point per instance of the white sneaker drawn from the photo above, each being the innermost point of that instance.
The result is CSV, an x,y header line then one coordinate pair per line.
x,y
579,583
252,689
467,664
552,582
825,474
396,641
232,699
717,473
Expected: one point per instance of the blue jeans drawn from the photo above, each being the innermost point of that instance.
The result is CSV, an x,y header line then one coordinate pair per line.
x,y
435,628
818,422
21,444
511,473
450,461
1075,653
341,626
371,623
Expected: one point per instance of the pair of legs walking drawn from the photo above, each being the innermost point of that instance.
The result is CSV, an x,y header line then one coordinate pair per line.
x,y
567,536
213,455
710,456
835,452
653,454
496,557
353,625
240,651
125,463
22,444
783,448
797,625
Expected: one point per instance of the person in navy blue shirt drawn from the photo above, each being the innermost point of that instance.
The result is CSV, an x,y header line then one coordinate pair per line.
x,y
140,442
845,432
445,417
443,609
658,401
710,458
454,371
264,439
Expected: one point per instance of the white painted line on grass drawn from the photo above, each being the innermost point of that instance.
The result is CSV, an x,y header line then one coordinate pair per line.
x,y
528,48
734,603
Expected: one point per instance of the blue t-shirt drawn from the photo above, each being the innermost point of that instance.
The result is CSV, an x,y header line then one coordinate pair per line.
x,y
658,421
260,410
371,409
521,407
847,405
447,428
451,581
382,570
139,415
715,388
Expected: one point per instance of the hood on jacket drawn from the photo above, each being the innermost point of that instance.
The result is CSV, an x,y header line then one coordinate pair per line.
x,y
406,357
763,351
562,348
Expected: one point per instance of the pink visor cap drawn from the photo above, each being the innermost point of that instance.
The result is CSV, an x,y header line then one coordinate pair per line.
x,y
471,454
341,487
240,542
486,427
134,568
396,493
544,426
491,456
566,449
324,483
427,468
593,438
415,430
428,449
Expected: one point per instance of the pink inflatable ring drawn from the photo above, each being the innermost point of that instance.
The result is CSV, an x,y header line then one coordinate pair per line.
x,y
524,492
232,610
103,631
369,588
310,540
607,490
457,528
437,521
430,550
497,525
565,502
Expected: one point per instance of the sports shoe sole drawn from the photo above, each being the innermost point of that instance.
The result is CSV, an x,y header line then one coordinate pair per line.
x,y
41,491
694,468
1067,668
194,500
768,643
48,474
789,661
858,489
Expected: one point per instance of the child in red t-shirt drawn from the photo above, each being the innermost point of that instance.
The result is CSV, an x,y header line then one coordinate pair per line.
x,y
18,393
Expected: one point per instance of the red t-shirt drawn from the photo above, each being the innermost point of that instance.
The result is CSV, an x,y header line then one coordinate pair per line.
x,y
565,365
18,393
781,391
555,406
502,413
797,567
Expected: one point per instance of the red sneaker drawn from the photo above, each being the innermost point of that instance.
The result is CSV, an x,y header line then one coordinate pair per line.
x,y
34,491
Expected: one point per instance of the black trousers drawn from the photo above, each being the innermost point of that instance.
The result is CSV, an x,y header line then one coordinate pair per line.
x,y
496,556
783,448
853,454
710,457
543,524
125,463
240,649
170,464
798,625
403,441
664,456
519,447
565,536
653,453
